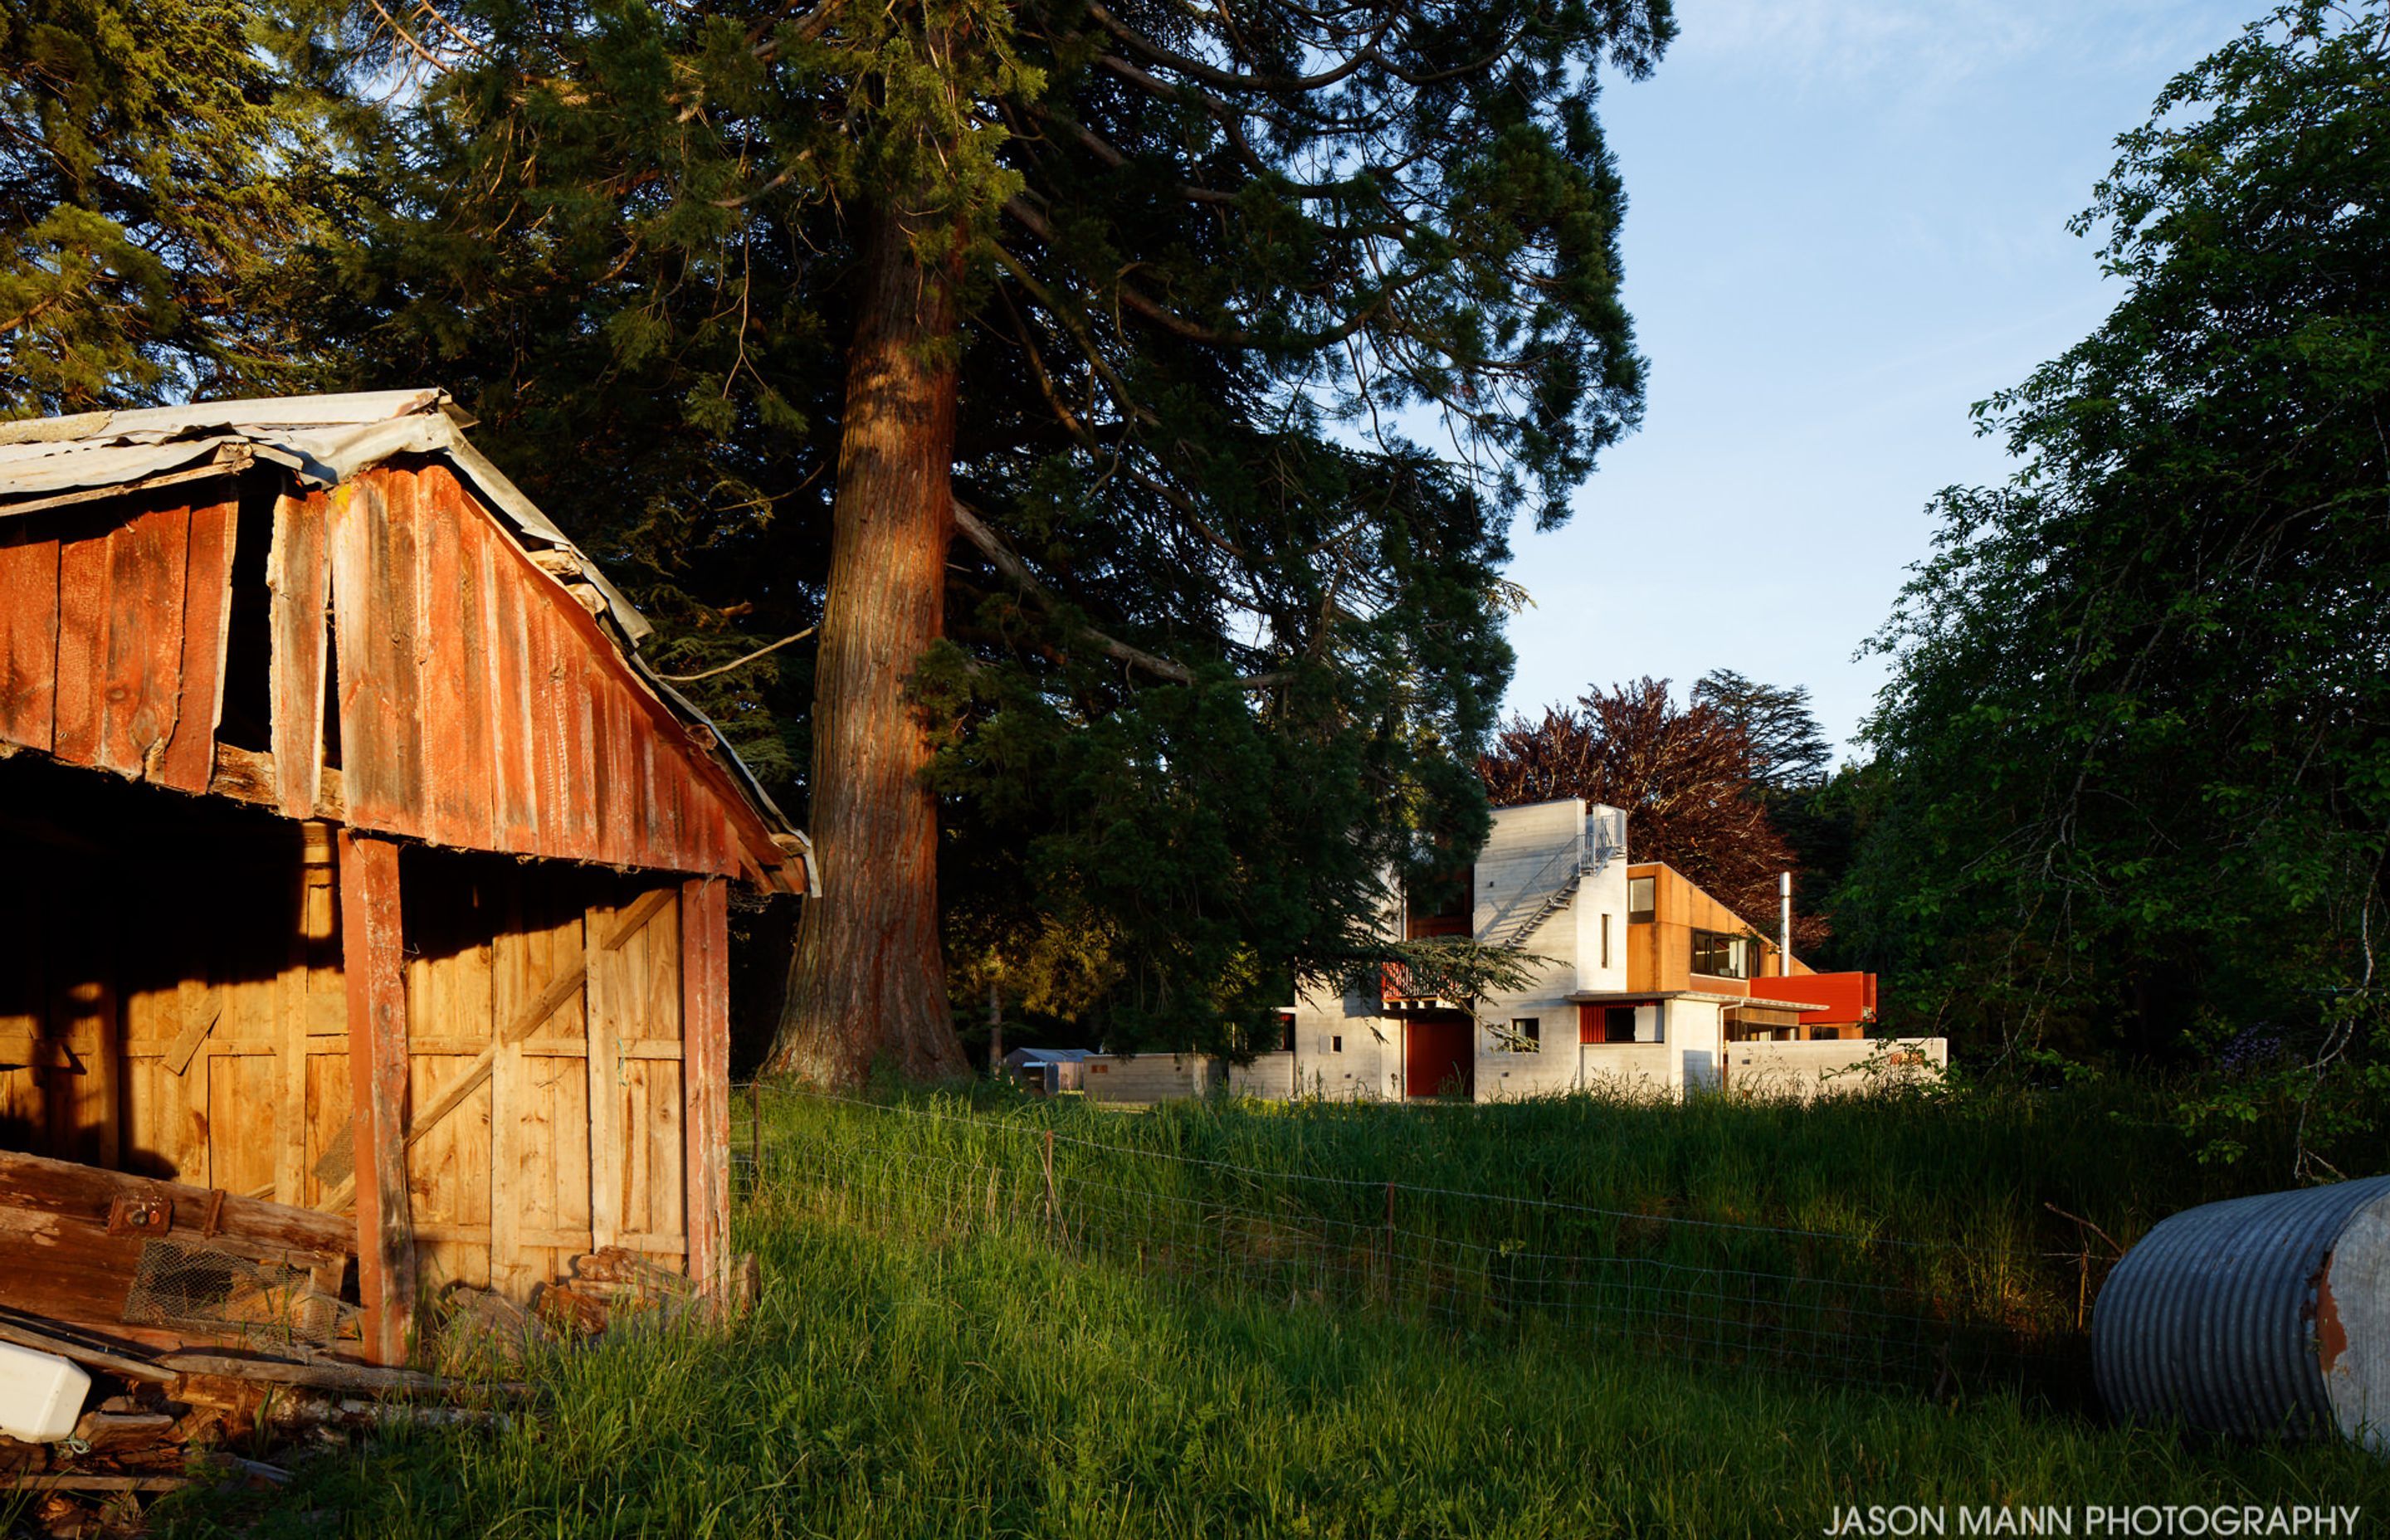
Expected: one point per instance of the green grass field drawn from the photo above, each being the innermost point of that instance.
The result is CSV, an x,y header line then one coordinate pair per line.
x,y
908,1374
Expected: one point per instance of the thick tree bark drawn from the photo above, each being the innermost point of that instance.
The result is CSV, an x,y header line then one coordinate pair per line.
x,y
867,981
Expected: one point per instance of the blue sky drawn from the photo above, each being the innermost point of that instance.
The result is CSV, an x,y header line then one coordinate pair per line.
x,y
1846,224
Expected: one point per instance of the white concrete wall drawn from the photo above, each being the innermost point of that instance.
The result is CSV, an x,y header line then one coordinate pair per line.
x,y
1695,1034
1270,1074
1147,1076
1829,1067
1532,851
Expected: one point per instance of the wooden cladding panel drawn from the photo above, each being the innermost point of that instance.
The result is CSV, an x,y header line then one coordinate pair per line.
x,y
203,1052
141,663
299,576
112,637
484,708
28,633
190,753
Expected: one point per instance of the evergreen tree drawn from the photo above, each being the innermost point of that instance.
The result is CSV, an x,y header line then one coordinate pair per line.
x,y
158,178
1789,752
1048,357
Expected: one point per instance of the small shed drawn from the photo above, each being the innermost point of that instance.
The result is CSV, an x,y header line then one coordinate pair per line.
x,y
355,861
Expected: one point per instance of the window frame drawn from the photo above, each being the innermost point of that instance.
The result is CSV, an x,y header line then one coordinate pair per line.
x,y
1731,948
1650,912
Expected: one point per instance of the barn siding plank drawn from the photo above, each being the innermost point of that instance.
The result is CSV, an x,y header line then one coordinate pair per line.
x,y
142,659
378,628
298,575
82,1101
456,773
585,765
29,636
82,649
190,755
513,750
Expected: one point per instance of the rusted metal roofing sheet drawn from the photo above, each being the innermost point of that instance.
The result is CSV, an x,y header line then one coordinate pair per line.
x,y
491,695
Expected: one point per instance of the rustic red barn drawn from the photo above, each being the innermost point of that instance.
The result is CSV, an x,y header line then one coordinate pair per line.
x,y
434,929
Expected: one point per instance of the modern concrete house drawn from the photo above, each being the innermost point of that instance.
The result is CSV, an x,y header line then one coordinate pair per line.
x,y
1643,983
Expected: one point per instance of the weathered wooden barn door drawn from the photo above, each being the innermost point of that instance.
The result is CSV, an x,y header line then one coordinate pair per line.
x,y
545,1052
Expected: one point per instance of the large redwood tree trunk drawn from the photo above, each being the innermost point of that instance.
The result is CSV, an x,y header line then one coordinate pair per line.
x,y
867,981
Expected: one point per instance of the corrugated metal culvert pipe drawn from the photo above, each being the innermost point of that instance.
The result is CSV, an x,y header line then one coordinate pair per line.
x,y
2257,1315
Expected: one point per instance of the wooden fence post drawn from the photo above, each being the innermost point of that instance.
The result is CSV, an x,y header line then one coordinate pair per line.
x,y
1053,1206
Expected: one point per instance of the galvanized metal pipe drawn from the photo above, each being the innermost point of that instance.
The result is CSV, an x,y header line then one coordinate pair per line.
x,y
2257,1315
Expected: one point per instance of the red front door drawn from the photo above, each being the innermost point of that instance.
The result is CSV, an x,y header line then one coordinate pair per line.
x,y
1439,1058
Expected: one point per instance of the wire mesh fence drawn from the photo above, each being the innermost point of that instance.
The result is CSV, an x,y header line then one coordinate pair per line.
x,y
1865,1310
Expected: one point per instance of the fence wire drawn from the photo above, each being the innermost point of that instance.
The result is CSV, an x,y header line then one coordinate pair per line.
x,y
1862,1310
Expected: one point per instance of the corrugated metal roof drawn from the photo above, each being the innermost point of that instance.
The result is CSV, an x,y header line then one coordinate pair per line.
x,y
322,441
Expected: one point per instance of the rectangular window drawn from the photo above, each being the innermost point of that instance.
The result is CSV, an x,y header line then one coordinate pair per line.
x,y
1640,900
1721,955
1618,1024
1286,1033
1526,1034
1336,1045
1605,941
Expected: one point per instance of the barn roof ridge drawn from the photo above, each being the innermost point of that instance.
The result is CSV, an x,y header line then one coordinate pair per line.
x,y
323,441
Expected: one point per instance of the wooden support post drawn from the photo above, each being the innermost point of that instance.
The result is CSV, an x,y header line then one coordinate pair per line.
x,y
705,1073
513,1271
603,1002
372,955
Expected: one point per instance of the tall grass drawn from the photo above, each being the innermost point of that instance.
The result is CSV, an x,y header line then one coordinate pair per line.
x,y
903,1378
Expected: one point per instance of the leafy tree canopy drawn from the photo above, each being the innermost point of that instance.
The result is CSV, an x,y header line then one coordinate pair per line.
x,y
2137,746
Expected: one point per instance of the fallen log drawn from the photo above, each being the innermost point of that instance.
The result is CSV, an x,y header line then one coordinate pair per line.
x,y
76,1482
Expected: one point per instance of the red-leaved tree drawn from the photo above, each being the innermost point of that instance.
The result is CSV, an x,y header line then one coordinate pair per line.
x,y
1684,776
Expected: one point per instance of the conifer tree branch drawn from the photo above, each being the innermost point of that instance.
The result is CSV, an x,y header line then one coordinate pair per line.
x,y
1227,80
999,552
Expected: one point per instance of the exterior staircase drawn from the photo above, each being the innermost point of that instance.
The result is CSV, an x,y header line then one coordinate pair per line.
x,y
1550,891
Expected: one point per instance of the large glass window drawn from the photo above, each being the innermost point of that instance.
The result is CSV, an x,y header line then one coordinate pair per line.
x,y
1618,1024
1722,956
1639,899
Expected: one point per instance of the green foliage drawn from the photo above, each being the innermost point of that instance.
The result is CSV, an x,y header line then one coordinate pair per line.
x,y
160,177
2136,770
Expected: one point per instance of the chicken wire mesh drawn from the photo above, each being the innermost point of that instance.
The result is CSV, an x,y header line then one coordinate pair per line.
x,y
200,1289
1871,1311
